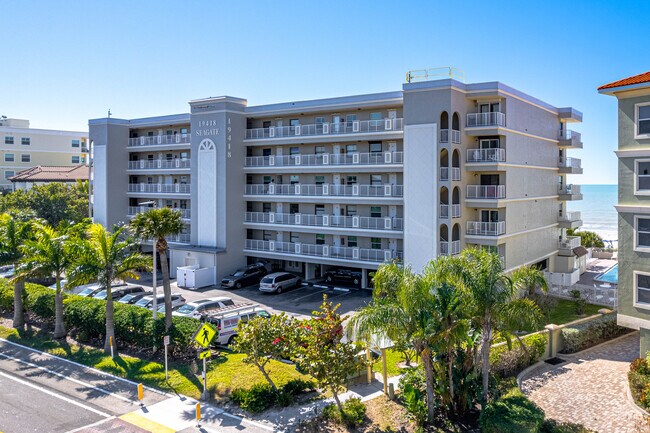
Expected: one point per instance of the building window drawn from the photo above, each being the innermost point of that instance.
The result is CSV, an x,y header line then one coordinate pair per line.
x,y
351,148
294,151
75,159
319,150
319,120
294,237
183,130
9,173
375,211
266,207
25,141
294,179
320,209
320,239
352,241
375,119
266,235
643,120
25,157
642,178
294,122
375,147
351,180
375,180
294,208
320,180
82,159
350,118
267,180
641,289
375,243
184,156
9,140
9,157
266,124
77,143
642,238
351,210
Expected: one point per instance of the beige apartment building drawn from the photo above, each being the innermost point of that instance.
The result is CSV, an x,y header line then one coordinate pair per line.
x,y
352,181
23,147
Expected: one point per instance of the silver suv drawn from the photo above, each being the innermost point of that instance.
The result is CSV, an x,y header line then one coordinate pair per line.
x,y
279,281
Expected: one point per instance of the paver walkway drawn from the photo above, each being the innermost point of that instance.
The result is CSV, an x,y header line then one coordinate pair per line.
x,y
590,388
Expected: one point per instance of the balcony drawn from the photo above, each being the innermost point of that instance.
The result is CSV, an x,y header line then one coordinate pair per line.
x,y
569,192
444,173
493,119
444,211
478,228
325,129
444,136
326,190
326,159
486,155
570,165
566,246
323,251
486,192
569,138
134,210
160,164
160,188
159,140
569,220
183,238
334,221
449,248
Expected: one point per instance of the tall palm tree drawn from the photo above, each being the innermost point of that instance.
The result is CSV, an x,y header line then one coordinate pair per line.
x,y
13,234
106,257
528,279
156,225
46,255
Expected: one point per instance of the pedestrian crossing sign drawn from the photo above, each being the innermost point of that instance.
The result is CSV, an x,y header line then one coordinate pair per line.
x,y
204,335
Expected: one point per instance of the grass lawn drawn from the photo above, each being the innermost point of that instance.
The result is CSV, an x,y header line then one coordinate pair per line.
x,y
225,373
564,312
392,359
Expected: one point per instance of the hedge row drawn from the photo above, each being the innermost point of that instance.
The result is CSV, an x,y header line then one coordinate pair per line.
x,y
134,326
587,334
506,363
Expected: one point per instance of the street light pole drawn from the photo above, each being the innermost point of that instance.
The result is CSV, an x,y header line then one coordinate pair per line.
x,y
154,270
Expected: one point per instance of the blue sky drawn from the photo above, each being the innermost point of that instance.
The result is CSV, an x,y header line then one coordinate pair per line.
x,y
65,62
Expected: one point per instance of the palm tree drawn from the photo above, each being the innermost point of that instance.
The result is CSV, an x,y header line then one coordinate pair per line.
x,y
528,279
13,233
106,257
46,255
156,224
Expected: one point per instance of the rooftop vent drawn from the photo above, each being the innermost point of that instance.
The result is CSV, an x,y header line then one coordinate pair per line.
x,y
435,74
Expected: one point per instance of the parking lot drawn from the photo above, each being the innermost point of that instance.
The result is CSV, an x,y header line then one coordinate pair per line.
x,y
300,301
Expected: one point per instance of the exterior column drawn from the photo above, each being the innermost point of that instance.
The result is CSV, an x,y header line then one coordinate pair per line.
x,y
364,278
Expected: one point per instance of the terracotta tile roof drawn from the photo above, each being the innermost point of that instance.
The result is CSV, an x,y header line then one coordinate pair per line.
x,y
48,173
636,79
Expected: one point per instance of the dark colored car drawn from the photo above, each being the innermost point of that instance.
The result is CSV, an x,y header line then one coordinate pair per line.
x,y
342,275
244,277
120,292
133,297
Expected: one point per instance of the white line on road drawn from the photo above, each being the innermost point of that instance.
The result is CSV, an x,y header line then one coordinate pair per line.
x,y
95,424
71,379
53,394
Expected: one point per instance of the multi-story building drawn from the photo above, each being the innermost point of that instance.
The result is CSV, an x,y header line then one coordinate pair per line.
x,y
352,181
24,147
633,207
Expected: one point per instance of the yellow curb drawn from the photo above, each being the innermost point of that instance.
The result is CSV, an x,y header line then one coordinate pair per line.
x,y
146,423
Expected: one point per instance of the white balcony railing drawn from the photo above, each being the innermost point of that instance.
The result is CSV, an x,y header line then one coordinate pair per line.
x,y
444,211
494,118
455,136
156,140
325,190
444,136
486,155
154,164
326,159
353,127
337,221
447,248
455,211
444,173
568,216
160,188
134,210
330,251
568,162
479,228
183,238
569,243
455,173
569,189
486,191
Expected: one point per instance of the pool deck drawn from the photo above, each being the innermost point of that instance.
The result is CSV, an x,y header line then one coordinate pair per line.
x,y
595,267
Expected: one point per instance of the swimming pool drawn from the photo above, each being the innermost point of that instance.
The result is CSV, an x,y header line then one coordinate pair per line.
x,y
609,276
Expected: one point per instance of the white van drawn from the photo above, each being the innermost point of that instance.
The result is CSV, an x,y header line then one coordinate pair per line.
x,y
226,319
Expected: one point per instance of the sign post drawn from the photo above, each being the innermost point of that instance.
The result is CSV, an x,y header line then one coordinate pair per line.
x,y
166,341
203,337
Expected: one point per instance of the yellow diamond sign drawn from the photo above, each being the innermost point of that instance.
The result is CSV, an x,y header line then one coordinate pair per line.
x,y
204,335
205,354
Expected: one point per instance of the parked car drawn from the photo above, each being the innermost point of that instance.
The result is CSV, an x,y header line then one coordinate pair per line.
x,y
147,301
196,308
119,292
279,281
88,290
63,282
7,271
244,277
226,320
133,297
343,275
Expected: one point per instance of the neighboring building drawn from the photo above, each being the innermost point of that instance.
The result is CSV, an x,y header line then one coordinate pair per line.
x,y
43,174
352,181
23,147
633,208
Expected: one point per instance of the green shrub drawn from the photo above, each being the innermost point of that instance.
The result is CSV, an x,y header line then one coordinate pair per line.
x,y
255,399
354,412
85,315
506,363
512,413
552,426
413,376
40,301
587,334
6,296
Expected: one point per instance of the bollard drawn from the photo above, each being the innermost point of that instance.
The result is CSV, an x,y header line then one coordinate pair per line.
x,y
391,391
141,394
198,414
110,342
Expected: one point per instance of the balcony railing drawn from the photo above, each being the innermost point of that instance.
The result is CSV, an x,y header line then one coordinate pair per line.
x,y
160,188
156,140
569,189
134,210
486,155
372,158
444,136
353,127
183,238
494,118
569,135
486,191
444,211
569,243
337,221
325,190
568,216
568,162
154,164
455,173
479,228
330,251
447,248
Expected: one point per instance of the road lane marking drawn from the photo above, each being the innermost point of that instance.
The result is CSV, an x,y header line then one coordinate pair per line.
x,y
145,423
53,394
95,424
71,379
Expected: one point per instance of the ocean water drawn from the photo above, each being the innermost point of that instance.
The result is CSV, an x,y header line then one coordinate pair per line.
x,y
597,209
